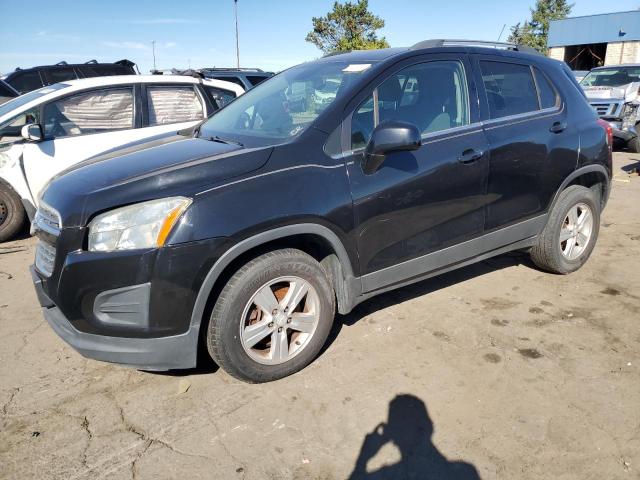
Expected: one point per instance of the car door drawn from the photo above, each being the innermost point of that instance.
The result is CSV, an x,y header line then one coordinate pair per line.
x,y
79,126
421,202
532,146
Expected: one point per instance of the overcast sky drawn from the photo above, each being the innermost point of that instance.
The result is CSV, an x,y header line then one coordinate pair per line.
x,y
202,33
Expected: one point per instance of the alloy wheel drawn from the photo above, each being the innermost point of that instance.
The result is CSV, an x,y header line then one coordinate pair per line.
x,y
576,231
279,320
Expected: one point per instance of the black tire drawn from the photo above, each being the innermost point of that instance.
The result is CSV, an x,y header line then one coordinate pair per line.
x,y
12,213
633,145
223,333
547,253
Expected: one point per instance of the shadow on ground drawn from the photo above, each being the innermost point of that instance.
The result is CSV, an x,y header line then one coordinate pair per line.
x,y
410,429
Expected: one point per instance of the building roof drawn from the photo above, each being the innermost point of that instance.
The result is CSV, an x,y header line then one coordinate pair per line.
x,y
603,28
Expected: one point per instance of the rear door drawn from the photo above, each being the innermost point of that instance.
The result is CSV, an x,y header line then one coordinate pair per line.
x,y
532,146
423,201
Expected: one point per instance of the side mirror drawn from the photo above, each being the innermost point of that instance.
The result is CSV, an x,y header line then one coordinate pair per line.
x,y
388,137
32,132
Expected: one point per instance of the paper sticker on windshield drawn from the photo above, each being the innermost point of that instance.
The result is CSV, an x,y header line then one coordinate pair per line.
x,y
357,67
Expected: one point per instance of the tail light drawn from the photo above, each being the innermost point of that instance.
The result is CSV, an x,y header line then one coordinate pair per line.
x,y
609,130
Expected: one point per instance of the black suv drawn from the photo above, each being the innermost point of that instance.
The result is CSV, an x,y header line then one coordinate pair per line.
x,y
249,232
28,79
247,78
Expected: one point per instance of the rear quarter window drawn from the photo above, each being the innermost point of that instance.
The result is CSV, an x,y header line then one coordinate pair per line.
x,y
548,93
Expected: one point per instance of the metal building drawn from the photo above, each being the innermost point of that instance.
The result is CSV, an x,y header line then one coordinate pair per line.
x,y
596,40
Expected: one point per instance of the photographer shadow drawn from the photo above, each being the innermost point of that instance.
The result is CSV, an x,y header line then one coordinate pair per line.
x,y
410,429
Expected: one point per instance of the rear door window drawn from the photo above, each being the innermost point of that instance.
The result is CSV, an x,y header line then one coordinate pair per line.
x,y
98,111
509,87
26,81
173,105
256,79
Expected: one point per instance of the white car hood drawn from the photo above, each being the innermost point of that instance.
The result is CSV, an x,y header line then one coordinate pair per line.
x,y
628,92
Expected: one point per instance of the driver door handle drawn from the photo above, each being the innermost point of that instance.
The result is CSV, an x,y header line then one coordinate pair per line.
x,y
558,127
470,155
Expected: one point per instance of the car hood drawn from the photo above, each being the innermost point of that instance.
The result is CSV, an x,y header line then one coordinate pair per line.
x,y
628,92
175,165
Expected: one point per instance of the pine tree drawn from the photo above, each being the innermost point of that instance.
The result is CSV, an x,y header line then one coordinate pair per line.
x,y
534,32
350,26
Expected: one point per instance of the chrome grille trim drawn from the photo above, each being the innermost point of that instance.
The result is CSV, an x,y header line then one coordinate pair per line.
x,y
607,109
45,258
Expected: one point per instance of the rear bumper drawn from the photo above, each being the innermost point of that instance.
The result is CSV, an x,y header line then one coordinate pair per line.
x,y
158,353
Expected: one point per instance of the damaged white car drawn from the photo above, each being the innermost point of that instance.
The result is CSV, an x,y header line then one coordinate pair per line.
x,y
44,132
614,92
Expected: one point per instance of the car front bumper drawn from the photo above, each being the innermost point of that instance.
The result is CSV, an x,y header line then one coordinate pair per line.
x,y
158,353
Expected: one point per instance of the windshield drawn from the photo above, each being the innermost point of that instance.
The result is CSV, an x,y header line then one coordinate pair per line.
x,y
285,105
611,77
28,97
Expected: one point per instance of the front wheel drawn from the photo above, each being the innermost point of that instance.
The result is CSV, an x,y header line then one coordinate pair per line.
x,y
571,232
12,213
272,317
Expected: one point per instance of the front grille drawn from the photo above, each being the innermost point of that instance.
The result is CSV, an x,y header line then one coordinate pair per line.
x,y
606,109
45,258
47,219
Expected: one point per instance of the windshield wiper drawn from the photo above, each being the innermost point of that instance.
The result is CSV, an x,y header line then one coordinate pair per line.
x,y
216,138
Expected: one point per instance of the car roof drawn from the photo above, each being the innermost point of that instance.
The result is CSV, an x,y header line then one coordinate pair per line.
x,y
624,65
85,83
162,79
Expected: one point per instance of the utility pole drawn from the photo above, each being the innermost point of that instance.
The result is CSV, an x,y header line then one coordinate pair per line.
x,y
235,5
153,49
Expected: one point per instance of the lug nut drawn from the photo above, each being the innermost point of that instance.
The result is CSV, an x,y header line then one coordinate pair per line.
x,y
289,320
271,325
280,330
275,311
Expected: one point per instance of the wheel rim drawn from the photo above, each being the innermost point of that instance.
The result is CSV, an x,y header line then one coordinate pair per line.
x,y
279,320
576,231
4,212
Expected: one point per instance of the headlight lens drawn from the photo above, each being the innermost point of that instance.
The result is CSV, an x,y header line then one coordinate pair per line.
x,y
629,115
143,225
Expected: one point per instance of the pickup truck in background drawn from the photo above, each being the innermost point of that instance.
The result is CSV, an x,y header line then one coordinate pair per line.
x,y
614,92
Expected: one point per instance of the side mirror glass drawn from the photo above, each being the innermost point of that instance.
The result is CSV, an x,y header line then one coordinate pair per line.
x,y
32,132
388,137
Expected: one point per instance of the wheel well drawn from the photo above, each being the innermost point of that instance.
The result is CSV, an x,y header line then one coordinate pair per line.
x,y
596,181
314,245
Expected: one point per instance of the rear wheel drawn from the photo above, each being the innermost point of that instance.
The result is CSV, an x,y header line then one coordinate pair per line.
x,y
12,213
571,232
272,318
633,145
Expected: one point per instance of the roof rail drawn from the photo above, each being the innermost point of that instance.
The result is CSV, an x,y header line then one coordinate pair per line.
x,y
62,63
91,62
443,42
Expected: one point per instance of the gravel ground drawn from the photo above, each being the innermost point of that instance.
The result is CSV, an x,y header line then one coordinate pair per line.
x,y
497,370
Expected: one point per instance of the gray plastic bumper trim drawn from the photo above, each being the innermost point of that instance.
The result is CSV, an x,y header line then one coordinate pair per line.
x,y
162,353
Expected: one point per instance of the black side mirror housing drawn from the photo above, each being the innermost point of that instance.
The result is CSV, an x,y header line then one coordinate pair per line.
x,y
388,137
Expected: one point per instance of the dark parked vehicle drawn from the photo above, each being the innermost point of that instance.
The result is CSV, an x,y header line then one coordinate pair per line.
x,y
28,79
7,92
247,233
247,78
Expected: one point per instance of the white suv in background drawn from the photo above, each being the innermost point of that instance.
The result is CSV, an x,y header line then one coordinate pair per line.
x,y
46,131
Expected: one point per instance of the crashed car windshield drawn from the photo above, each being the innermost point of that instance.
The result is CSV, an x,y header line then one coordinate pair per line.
x,y
611,77
283,106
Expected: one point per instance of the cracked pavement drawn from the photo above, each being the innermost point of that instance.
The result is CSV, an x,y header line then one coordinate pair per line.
x,y
516,373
